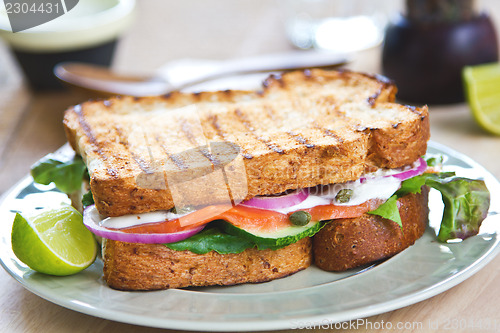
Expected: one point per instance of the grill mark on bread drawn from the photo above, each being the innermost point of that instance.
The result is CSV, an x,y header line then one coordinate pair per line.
x,y
214,121
372,100
416,110
244,120
333,107
380,79
86,127
327,132
143,165
274,78
247,156
384,84
174,158
89,133
300,139
186,129
270,112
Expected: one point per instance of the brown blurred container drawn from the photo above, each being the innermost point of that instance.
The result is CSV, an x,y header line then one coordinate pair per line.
x,y
425,50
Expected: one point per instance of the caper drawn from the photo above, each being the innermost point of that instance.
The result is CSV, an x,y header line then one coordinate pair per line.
x,y
300,218
344,195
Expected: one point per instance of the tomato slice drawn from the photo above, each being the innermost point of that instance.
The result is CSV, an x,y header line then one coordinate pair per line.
x,y
250,218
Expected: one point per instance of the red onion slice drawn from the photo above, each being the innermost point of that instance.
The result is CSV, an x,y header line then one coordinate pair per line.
x,y
91,219
418,169
277,202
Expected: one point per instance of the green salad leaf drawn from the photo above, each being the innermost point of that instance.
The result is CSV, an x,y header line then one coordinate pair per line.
x,y
212,239
87,199
466,203
389,210
414,184
66,175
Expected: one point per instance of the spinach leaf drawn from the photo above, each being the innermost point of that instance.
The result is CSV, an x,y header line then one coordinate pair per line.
x,y
212,239
66,175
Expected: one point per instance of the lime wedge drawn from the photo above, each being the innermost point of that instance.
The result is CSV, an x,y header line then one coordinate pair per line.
x,y
482,88
54,242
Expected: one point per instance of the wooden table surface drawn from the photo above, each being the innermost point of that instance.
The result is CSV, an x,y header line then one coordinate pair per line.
x,y
30,127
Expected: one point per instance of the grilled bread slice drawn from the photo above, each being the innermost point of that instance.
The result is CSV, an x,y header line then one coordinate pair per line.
x,y
347,243
303,129
130,266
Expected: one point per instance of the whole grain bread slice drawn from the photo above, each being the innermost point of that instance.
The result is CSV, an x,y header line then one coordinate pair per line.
x,y
131,266
302,129
348,243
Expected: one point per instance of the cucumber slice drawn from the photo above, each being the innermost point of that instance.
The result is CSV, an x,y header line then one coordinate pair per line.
x,y
274,240
224,238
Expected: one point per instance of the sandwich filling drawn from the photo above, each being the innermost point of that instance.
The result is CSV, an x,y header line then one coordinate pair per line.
x,y
270,214
272,222
323,203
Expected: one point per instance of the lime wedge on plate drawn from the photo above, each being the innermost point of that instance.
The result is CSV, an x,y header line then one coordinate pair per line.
x,y
482,88
54,242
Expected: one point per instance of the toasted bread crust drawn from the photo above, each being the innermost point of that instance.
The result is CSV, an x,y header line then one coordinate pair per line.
x,y
303,129
347,243
130,266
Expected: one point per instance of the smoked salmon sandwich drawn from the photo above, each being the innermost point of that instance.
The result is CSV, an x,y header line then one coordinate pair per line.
x,y
228,187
